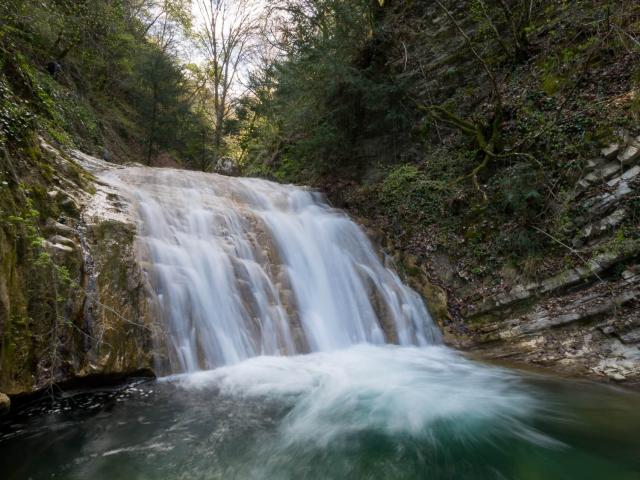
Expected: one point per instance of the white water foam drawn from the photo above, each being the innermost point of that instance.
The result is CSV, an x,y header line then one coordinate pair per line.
x,y
419,392
247,267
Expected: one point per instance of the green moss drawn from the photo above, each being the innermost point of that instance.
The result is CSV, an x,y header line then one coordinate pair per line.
x,y
551,84
37,287
408,188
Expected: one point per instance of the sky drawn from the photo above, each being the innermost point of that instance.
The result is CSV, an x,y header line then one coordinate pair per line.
x,y
257,7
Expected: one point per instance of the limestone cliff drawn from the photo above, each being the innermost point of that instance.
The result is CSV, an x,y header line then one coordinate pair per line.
x,y
580,319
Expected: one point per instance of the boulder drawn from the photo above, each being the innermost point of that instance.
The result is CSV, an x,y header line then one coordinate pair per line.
x,y
616,377
5,404
226,166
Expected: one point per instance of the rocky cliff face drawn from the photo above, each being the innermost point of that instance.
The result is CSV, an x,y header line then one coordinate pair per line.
x,y
580,320
72,295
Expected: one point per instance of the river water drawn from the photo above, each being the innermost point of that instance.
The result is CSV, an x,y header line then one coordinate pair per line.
x,y
365,412
293,350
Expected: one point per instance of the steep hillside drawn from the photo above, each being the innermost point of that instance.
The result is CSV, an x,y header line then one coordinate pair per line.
x,y
106,77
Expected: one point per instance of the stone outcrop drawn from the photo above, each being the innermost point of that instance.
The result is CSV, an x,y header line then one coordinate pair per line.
x,y
583,320
580,320
594,330
226,166
77,307
5,404
117,303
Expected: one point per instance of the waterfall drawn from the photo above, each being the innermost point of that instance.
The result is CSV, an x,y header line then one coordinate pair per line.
x,y
246,267
243,268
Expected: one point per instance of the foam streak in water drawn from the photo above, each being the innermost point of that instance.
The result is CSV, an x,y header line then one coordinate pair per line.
x,y
246,267
429,393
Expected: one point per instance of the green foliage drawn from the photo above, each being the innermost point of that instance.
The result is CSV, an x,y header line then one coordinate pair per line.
x,y
331,94
114,85
16,117
519,242
519,194
112,76
350,108
409,191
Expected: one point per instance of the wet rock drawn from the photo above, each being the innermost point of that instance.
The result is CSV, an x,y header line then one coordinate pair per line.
x,y
104,325
57,247
437,302
5,404
226,166
117,305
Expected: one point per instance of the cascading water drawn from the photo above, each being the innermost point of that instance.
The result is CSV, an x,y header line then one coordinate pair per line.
x,y
247,267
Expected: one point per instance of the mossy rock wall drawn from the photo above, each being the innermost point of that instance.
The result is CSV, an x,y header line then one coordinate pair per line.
x,y
72,296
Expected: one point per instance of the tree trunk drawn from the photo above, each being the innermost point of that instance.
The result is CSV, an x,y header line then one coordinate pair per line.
x,y
152,123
